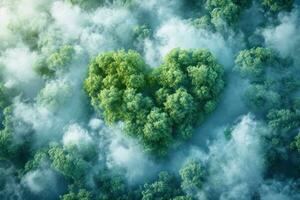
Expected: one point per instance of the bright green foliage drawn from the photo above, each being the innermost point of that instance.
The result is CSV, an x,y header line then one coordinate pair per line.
x,y
203,22
252,63
227,10
157,106
192,175
180,105
59,59
165,188
283,120
278,5
157,130
81,195
69,164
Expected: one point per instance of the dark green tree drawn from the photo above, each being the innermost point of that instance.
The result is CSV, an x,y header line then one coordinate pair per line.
x,y
192,176
166,187
81,195
278,5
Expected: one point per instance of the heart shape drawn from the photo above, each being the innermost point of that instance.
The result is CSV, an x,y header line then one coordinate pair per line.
x,y
160,106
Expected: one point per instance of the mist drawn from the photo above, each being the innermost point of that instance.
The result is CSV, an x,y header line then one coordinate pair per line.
x,y
56,141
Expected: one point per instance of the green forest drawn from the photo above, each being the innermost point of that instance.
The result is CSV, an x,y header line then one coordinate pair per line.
x,y
149,100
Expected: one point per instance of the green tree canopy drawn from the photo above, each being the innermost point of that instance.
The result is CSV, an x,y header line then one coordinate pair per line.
x,y
227,10
81,195
3,97
283,120
166,187
67,163
157,106
192,175
252,63
261,99
278,5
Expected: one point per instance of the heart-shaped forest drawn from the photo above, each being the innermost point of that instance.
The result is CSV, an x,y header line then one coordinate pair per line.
x,y
162,106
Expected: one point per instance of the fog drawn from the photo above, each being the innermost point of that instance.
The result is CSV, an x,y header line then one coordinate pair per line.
x,y
54,110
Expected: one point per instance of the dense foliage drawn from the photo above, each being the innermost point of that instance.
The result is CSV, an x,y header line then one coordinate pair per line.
x,y
157,106
149,100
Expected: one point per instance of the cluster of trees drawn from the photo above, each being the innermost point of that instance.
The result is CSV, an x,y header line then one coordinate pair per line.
x,y
219,15
157,106
173,187
160,107
228,10
106,184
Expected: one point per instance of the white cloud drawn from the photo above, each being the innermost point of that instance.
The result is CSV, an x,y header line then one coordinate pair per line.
x,y
237,165
18,66
40,180
285,36
76,135
179,33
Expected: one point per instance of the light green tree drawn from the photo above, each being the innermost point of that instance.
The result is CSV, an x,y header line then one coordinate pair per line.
x,y
157,106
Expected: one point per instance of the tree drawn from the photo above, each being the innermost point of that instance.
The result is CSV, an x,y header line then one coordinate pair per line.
x,y
165,188
297,142
278,5
41,157
157,106
157,132
227,10
3,97
261,99
283,120
7,147
180,105
69,164
57,62
81,195
112,185
61,58
252,63
203,22
142,32
192,176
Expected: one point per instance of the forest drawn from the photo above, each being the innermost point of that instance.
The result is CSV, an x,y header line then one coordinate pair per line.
x,y
149,100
